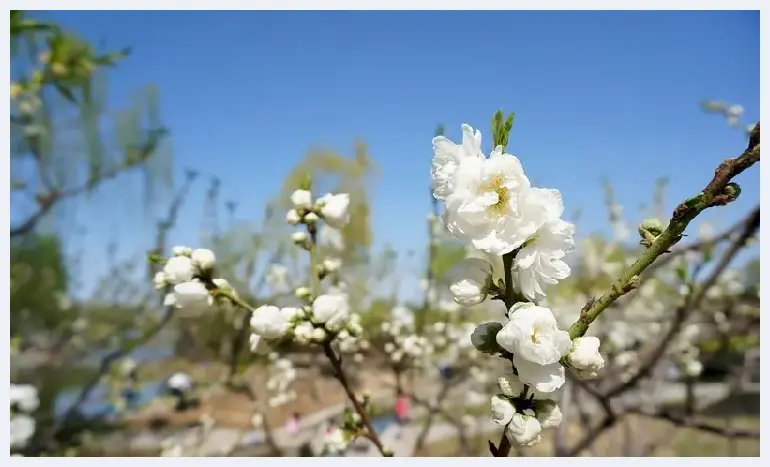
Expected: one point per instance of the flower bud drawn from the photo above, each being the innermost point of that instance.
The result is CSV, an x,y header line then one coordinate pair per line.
x,y
472,281
584,356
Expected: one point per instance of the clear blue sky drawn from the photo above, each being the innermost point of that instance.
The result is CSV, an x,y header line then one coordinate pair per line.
x,y
613,94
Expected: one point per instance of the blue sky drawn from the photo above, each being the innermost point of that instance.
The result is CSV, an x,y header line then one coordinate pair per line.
x,y
613,94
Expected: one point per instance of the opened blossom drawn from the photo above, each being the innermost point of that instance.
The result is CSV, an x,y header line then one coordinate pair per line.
x,y
533,334
271,322
483,207
540,262
334,209
447,156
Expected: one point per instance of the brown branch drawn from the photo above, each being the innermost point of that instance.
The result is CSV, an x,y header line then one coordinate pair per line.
x,y
751,225
690,422
719,191
370,434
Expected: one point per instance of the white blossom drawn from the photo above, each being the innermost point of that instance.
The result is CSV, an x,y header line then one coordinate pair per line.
x,y
540,262
22,428
271,322
24,397
202,259
585,357
293,217
302,199
502,410
178,269
532,334
524,429
543,378
484,205
192,294
331,309
334,209
447,156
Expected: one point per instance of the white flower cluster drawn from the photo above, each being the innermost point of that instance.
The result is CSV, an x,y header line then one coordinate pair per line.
x,y
523,414
491,205
281,375
24,401
324,317
452,343
405,348
189,273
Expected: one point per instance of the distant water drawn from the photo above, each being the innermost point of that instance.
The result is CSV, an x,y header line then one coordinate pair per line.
x,y
381,422
97,404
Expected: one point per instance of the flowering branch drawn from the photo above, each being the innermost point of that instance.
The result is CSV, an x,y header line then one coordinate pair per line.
x,y
491,204
719,191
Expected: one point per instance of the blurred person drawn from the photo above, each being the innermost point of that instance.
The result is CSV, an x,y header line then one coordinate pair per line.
x,y
180,386
402,408
292,425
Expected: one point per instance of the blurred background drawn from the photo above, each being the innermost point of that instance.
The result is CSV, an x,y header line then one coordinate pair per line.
x,y
134,132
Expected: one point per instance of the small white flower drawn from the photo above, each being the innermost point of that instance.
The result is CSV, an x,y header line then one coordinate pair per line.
x,y
159,280
181,251
585,357
533,334
192,294
502,410
292,217
335,440
390,347
304,332
358,358
269,322
178,269
332,264
299,237
22,428
311,218
524,429
302,199
319,334
473,281
447,156
334,209
303,292
548,413
693,368
24,397
203,259
331,309
540,262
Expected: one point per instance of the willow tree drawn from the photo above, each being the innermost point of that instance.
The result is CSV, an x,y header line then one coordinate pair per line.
x,y
65,143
